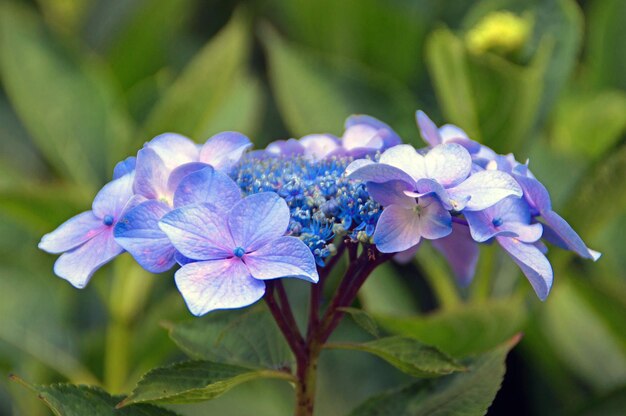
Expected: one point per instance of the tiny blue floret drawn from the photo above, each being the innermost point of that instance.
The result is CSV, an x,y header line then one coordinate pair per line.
x,y
108,220
239,252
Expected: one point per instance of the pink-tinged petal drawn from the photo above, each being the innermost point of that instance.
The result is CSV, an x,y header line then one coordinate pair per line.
x,y
461,252
535,193
217,284
151,175
405,158
361,136
138,233
391,193
72,233
199,232
258,219
224,150
390,137
174,149
558,232
291,147
319,146
428,129
484,189
378,173
124,167
398,229
181,173
449,164
207,186
78,265
533,263
435,220
283,257
113,197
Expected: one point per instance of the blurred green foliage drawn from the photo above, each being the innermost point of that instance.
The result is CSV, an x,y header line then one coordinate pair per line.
x,y
85,82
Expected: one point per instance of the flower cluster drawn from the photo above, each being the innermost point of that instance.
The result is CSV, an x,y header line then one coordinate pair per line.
x,y
232,218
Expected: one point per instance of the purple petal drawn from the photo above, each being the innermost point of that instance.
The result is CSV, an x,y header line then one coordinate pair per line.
x,y
356,165
526,233
407,255
77,266
182,260
138,233
461,252
378,173
291,147
181,173
113,197
533,263
319,146
400,228
428,129
405,158
390,193
482,228
449,164
560,233
199,232
535,193
390,137
452,134
224,150
361,136
257,220
217,284
484,189
425,187
124,167
284,257
173,149
151,175
72,233
207,186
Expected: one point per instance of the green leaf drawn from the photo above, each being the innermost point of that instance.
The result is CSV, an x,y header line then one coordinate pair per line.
x,y
194,381
73,400
407,355
250,338
316,93
465,330
363,319
193,104
584,341
66,102
461,394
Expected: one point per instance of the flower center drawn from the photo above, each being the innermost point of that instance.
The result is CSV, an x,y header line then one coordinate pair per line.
x,y
497,222
239,252
107,220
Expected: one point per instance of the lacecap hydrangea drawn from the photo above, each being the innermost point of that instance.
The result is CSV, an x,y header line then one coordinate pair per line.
x,y
230,217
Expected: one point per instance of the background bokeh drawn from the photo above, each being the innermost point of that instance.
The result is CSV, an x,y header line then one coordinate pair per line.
x,y
84,83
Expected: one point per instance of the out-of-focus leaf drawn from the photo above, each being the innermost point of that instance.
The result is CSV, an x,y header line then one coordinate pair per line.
x,y
465,330
140,48
363,319
606,37
316,93
612,404
210,82
387,36
67,103
467,394
194,381
73,400
407,355
447,62
590,124
583,340
385,293
64,15
250,338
